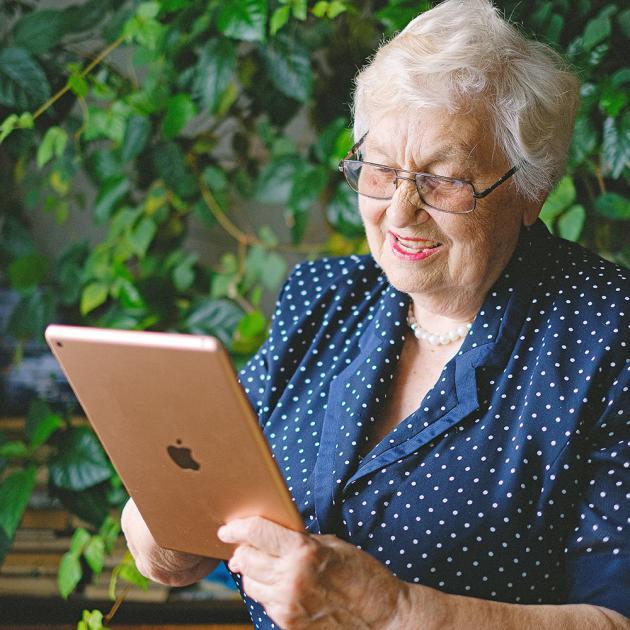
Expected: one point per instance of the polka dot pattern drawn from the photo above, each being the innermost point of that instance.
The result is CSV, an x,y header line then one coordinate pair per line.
x,y
510,480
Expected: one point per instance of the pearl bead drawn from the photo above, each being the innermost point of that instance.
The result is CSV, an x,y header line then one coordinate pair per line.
x,y
434,339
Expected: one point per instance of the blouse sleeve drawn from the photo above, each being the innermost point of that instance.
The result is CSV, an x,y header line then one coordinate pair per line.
x,y
597,553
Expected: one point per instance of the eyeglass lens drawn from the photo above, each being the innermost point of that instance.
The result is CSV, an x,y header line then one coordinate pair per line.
x,y
380,182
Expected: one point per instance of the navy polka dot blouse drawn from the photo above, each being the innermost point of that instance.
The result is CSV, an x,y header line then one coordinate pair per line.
x,y
510,480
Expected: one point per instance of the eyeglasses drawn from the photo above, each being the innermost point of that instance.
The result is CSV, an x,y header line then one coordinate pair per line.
x,y
445,194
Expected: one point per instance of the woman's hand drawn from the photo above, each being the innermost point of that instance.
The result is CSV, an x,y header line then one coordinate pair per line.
x,y
309,581
173,568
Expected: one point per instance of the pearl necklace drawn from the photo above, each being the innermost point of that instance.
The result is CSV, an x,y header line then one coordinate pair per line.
x,y
443,339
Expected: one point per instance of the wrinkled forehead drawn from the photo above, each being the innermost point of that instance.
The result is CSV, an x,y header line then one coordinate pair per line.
x,y
430,134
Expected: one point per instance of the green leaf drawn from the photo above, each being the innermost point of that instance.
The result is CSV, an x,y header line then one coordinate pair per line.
x,y
613,206
299,9
214,72
343,212
31,315
80,538
623,19
279,18
128,572
148,10
109,532
142,28
616,145
554,28
214,317
44,429
28,271
70,574
68,272
91,504
332,9
336,8
597,30
52,145
142,236
107,123
243,19
276,180
80,461
39,31
8,125
333,142
250,333
179,110
15,491
267,236
288,67
86,15
103,165
393,17
184,275
13,121
308,184
136,137
14,450
94,295
560,198
108,196
23,84
215,178
613,99
274,271
78,84
94,554
252,324
571,223
584,140
169,162
91,620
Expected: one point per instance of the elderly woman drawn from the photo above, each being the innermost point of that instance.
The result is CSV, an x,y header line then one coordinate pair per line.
x,y
448,411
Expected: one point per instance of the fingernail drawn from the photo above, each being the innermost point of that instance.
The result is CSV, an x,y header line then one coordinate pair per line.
x,y
222,533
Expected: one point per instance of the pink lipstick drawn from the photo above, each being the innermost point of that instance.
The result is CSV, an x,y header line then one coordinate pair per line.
x,y
413,248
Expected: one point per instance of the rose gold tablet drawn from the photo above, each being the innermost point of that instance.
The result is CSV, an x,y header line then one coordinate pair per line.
x,y
179,430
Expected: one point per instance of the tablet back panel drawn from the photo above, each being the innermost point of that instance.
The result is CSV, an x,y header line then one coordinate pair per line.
x,y
179,430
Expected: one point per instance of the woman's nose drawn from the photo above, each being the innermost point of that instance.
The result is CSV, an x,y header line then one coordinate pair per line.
x,y
406,207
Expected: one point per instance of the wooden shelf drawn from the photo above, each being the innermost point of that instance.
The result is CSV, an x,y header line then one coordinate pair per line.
x,y
54,611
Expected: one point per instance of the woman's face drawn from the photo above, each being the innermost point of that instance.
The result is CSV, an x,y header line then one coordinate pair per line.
x,y
433,254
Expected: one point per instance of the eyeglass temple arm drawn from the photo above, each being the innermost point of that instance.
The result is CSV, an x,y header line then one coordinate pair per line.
x,y
355,146
487,191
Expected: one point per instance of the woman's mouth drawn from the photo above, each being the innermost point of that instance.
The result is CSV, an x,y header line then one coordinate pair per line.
x,y
413,248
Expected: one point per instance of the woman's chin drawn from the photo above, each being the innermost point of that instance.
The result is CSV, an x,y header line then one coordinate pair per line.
x,y
413,277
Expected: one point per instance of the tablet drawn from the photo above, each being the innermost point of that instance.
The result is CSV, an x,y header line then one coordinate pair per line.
x,y
179,430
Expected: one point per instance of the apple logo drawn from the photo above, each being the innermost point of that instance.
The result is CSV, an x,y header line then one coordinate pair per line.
x,y
182,456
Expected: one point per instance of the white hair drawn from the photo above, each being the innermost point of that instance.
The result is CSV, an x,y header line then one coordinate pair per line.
x,y
462,55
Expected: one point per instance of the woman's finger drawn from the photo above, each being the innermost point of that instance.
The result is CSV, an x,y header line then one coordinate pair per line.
x,y
255,564
262,593
262,534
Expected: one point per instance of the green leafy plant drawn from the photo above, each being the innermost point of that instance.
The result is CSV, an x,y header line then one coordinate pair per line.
x,y
197,122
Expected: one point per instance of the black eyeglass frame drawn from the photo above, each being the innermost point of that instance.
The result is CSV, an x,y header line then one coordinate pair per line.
x,y
476,195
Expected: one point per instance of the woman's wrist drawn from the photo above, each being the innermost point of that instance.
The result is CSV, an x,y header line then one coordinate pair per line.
x,y
425,608
419,607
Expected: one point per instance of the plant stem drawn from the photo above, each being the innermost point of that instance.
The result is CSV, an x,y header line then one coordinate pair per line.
x,y
55,97
600,179
119,600
222,220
